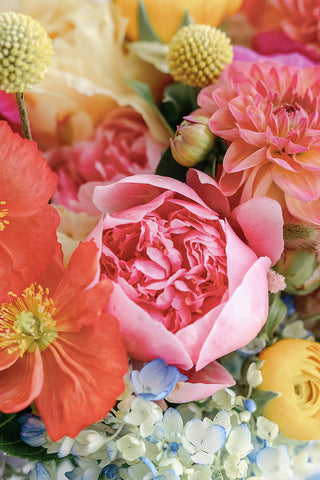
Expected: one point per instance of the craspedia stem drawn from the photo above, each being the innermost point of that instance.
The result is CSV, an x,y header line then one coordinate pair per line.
x,y
23,116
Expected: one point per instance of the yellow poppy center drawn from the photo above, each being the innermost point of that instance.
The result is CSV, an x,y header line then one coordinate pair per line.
x,y
28,321
3,214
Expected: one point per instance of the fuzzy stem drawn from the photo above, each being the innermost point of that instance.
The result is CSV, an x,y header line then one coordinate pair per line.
x,y
23,116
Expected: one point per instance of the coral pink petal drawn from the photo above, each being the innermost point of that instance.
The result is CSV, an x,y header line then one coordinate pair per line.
x,y
209,191
145,338
201,384
137,190
7,359
240,258
222,124
241,156
262,223
243,316
21,383
194,335
304,185
307,212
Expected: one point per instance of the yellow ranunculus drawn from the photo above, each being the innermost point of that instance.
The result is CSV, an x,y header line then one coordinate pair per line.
x,y
165,15
292,368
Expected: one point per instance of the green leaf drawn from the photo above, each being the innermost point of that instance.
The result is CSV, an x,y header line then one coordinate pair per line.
x,y
178,101
145,29
186,19
11,443
144,91
277,312
262,398
168,167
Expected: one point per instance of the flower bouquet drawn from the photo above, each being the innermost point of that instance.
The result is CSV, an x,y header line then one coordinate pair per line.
x,y
159,239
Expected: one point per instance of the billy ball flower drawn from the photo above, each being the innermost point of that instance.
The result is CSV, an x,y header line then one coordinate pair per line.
x,y
25,52
291,367
198,54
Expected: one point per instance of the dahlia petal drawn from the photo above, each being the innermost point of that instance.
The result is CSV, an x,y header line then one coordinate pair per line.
x,y
262,223
310,160
88,366
242,317
253,138
305,211
201,384
135,322
303,185
21,383
223,124
241,156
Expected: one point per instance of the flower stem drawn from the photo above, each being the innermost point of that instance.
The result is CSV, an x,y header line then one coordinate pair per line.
x,y
23,116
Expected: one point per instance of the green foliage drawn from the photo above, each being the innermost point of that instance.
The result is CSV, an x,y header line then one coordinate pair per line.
x,y
178,101
186,20
11,443
145,29
168,167
276,314
261,399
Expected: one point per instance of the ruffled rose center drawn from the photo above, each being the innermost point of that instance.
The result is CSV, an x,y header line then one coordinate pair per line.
x,y
172,263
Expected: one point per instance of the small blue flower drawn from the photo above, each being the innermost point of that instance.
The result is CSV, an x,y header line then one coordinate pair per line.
x,y
42,472
288,300
250,405
314,476
155,380
111,472
32,430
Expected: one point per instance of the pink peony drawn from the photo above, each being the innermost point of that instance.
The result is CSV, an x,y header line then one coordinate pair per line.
x,y
122,146
187,287
269,115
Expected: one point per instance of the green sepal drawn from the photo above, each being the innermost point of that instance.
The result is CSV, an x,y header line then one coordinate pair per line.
x,y
186,20
144,91
11,443
168,167
261,399
178,101
276,314
145,29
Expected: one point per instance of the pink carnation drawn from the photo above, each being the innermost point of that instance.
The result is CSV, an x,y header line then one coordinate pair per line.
x,y
122,146
187,287
269,115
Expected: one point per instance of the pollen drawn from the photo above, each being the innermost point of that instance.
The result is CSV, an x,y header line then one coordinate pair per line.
x,y
3,213
25,52
198,54
28,321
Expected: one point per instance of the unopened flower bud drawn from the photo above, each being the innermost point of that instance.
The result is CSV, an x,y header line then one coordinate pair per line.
x,y
300,236
193,141
301,270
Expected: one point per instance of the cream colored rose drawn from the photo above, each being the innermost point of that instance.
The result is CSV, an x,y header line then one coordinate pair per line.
x,y
88,73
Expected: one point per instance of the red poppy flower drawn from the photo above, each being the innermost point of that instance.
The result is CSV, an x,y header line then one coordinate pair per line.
x,y
27,223
59,349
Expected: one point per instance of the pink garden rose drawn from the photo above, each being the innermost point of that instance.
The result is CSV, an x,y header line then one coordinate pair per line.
x,y
122,146
188,288
268,114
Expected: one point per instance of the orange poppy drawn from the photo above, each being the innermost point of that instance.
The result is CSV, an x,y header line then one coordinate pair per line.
x,y
59,349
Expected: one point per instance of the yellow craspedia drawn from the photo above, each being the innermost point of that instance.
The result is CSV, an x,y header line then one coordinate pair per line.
x,y
198,54
292,368
166,15
25,52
